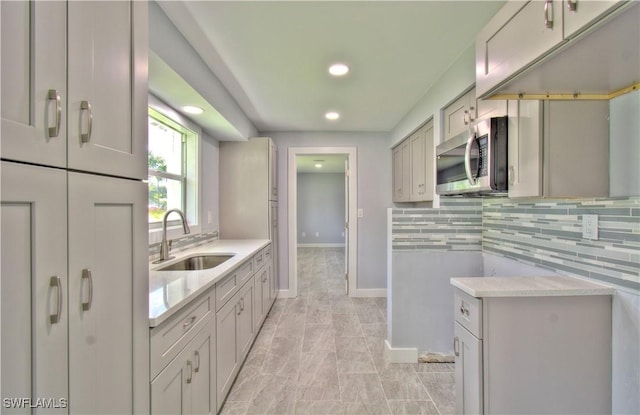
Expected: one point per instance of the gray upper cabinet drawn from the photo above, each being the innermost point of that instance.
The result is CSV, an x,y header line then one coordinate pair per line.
x,y
107,100
34,82
558,149
412,161
75,74
518,34
533,48
460,114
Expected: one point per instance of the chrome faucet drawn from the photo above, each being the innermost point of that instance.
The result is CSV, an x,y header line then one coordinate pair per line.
x,y
164,245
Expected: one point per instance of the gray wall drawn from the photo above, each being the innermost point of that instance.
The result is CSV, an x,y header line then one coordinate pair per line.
x,y
321,208
624,151
374,197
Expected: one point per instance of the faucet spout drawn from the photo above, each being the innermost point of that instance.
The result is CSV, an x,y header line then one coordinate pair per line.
x,y
164,246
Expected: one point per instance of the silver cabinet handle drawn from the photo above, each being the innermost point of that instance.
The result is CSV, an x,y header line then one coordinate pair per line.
x,y
187,324
86,275
466,117
190,367
196,357
52,95
548,14
242,304
456,346
56,283
238,308
471,109
86,106
572,5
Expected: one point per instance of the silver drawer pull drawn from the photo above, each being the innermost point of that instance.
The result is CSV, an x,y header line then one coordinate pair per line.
x,y
52,95
86,106
572,5
187,324
86,275
238,308
456,346
196,357
464,311
57,284
190,367
548,14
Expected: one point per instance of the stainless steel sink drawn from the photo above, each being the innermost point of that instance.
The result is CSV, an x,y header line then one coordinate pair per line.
x,y
197,262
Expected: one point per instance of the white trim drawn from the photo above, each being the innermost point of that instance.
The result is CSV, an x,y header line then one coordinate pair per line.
x,y
321,245
351,153
370,292
399,354
285,294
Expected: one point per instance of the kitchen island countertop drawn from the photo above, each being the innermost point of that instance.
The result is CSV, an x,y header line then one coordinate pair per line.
x,y
529,286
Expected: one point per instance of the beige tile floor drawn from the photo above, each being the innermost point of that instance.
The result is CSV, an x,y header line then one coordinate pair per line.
x,y
323,353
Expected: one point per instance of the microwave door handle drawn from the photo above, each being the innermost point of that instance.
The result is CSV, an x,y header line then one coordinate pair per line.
x,y
467,159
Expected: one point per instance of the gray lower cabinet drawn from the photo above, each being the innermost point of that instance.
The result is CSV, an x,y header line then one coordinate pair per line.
x,y
533,355
185,386
234,324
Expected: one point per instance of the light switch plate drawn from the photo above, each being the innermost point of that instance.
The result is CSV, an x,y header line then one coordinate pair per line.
x,y
360,213
590,226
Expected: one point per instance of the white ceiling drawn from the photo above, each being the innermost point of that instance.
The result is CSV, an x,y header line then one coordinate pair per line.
x,y
272,56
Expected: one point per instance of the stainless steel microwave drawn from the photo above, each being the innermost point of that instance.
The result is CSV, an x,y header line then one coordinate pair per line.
x,y
474,162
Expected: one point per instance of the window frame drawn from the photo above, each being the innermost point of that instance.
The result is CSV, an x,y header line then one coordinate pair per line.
x,y
190,179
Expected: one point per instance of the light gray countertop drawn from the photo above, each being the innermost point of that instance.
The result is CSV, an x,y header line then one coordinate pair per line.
x,y
529,286
169,291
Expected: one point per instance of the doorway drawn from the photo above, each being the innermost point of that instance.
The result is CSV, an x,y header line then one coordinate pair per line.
x,y
347,156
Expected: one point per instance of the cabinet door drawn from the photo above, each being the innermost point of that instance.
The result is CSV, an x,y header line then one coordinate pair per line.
x,y
418,162
468,375
246,323
203,388
514,38
259,288
457,117
108,290
402,172
226,348
170,391
273,168
34,283
525,148
34,85
107,87
579,14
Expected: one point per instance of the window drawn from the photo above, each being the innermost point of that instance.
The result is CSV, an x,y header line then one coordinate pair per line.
x,y
172,168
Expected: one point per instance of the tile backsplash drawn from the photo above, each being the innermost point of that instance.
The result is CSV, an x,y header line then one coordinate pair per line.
x,y
186,242
545,233
455,226
548,233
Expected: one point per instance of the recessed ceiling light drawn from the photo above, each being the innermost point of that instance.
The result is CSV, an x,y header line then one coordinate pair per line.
x,y
332,115
189,109
318,165
338,69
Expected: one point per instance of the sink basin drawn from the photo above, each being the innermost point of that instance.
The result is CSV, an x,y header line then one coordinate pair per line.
x,y
197,262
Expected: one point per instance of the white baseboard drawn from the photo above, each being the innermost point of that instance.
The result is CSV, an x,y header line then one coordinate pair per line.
x,y
285,294
369,292
327,245
400,355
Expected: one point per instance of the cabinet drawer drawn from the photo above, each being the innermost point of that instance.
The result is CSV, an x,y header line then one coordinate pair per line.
x,y
268,254
168,339
259,259
468,312
229,285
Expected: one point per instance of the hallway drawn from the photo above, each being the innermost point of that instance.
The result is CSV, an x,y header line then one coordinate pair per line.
x,y
323,353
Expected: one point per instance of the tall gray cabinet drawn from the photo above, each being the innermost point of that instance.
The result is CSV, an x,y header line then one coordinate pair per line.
x,y
74,223
249,192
